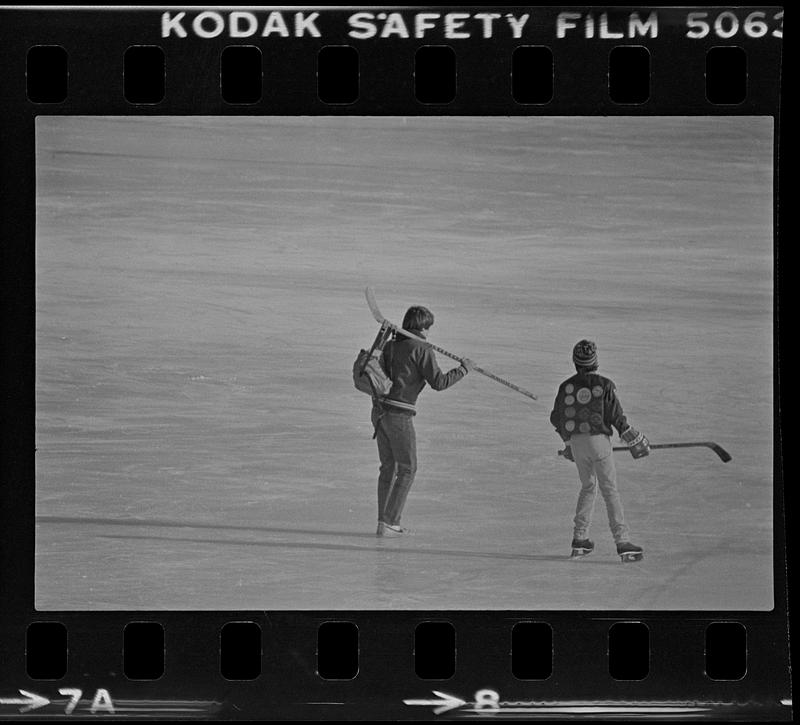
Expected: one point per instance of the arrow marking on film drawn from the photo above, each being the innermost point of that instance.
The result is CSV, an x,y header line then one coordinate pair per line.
x,y
32,701
443,704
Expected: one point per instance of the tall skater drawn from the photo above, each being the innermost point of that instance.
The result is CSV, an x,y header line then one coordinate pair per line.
x,y
410,364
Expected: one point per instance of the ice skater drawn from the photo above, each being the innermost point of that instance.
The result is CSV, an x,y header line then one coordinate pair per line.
x,y
410,364
586,408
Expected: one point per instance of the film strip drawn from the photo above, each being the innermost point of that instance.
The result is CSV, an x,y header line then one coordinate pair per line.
x,y
194,199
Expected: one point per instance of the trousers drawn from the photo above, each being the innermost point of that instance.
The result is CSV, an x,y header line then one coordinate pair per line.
x,y
594,458
397,451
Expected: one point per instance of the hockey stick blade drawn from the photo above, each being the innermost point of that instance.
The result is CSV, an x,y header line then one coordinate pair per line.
x,y
376,313
718,449
373,305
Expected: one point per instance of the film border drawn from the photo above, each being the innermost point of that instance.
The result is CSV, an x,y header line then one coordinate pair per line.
x,y
289,688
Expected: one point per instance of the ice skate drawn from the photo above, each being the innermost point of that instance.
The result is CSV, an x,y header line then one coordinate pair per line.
x,y
581,548
629,552
393,530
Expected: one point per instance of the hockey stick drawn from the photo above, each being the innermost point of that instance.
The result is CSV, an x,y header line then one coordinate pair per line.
x,y
376,313
718,449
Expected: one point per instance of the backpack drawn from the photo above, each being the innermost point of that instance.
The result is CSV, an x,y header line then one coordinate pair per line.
x,y
368,374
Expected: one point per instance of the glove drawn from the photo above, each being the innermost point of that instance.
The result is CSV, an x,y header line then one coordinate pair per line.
x,y
638,445
467,364
567,453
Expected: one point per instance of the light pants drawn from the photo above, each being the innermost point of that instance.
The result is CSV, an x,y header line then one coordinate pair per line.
x,y
594,458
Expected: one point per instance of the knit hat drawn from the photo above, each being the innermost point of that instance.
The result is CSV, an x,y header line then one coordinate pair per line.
x,y
584,354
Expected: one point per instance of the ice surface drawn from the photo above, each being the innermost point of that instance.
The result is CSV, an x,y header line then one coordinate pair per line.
x,y
200,303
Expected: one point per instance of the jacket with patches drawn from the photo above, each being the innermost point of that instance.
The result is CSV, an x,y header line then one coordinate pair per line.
x,y
587,403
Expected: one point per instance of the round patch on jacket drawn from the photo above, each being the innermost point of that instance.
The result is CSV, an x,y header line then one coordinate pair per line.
x,y
584,395
597,391
596,419
570,425
569,400
569,412
584,427
569,388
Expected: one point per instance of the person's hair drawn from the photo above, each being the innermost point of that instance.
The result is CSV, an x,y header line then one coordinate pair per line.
x,y
417,318
582,369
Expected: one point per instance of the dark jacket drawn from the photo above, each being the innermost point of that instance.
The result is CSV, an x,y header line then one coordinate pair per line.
x,y
587,403
410,364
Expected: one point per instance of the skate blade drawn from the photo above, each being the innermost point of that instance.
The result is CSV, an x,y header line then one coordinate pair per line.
x,y
580,553
390,533
628,558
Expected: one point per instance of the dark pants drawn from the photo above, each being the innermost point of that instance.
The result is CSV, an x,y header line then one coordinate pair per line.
x,y
397,449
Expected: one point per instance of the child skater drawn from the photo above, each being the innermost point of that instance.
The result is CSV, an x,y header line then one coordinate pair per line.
x,y
585,410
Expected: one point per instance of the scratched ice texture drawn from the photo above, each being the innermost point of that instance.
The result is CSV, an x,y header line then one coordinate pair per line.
x,y
199,300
